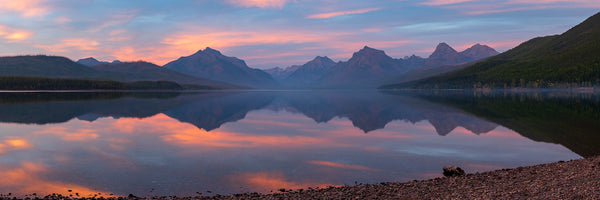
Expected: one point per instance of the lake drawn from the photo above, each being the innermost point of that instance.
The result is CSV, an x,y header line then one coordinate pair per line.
x,y
190,143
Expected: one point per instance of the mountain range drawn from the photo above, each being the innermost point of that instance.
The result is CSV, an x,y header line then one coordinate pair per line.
x,y
279,73
211,64
309,72
56,67
91,61
369,67
142,71
565,60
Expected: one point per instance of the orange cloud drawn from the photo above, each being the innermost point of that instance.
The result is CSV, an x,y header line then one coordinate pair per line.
x,y
13,34
340,13
13,144
259,3
27,179
341,165
27,8
66,135
229,39
187,43
271,181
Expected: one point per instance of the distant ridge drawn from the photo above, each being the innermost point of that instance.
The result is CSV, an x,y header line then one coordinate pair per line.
x,y
309,72
91,61
145,71
279,73
55,67
211,64
363,70
44,66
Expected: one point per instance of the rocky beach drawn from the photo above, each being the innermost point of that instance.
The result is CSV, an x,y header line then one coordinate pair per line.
x,y
576,179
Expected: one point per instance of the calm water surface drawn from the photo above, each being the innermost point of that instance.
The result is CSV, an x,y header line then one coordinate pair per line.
x,y
230,142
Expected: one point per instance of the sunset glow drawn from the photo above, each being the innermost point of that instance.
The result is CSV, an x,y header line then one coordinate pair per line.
x,y
270,33
264,151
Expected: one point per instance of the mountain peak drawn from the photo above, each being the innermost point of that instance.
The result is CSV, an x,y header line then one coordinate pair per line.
x,y
322,59
89,58
441,50
90,61
479,51
369,49
369,52
211,51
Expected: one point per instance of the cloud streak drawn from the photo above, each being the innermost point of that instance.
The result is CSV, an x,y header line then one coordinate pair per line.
x,y
13,34
259,3
341,13
26,8
444,2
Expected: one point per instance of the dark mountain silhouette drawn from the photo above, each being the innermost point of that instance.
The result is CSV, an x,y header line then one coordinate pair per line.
x,y
279,73
478,51
569,59
63,68
145,71
543,117
211,64
309,72
90,61
369,68
364,70
210,110
220,108
372,111
413,62
445,55
44,66
204,110
55,107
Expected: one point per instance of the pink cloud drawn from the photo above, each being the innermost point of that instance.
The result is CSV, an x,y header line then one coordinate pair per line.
x,y
27,8
271,181
71,43
340,13
186,43
259,3
341,165
373,30
444,2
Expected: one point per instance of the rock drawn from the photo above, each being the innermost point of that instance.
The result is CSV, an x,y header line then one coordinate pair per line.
x,y
453,171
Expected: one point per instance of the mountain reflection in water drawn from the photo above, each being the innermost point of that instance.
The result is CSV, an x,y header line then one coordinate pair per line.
x,y
229,142
368,110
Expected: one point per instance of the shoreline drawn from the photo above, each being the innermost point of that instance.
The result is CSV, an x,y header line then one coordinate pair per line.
x,y
575,179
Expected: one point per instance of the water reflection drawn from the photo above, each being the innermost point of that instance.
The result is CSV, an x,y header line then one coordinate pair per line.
x,y
181,144
571,119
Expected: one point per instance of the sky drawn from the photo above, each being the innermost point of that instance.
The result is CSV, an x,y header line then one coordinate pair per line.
x,y
274,33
